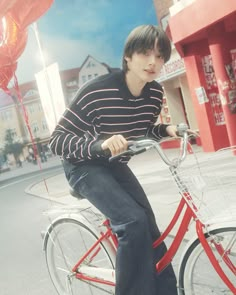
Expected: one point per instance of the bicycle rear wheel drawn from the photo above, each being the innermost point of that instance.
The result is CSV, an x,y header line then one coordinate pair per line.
x,y
67,240
197,276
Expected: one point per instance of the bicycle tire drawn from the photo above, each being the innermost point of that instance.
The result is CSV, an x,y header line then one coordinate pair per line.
x,y
66,241
197,276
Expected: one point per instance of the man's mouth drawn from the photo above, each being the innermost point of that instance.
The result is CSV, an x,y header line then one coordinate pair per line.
x,y
150,71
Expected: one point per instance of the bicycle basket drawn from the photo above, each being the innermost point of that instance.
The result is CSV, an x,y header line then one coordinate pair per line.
x,y
208,184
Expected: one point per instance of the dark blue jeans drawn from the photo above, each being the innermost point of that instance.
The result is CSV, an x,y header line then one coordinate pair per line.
x,y
116,192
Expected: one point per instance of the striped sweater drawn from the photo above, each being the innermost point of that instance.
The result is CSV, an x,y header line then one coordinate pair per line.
x,y
104,107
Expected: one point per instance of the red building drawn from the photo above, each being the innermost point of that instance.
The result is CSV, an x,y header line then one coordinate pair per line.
x,y
204,34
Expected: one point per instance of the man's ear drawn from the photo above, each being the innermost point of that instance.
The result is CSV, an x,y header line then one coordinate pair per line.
x,y
126,58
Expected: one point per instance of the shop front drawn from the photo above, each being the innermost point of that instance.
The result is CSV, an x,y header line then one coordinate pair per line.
x,y
177,103
204,34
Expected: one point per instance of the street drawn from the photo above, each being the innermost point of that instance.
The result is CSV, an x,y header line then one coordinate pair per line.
x,y
24,198
22,263
22,221
25,193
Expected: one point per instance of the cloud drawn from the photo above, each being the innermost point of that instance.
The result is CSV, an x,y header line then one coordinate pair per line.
x,y
81,16
69,53
73,29
83,25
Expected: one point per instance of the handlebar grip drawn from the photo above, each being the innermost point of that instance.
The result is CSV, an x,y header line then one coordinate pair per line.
x,y
129,152
112,158
139,151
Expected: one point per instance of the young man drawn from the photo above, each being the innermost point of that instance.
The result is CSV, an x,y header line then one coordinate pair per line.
x,y
106,113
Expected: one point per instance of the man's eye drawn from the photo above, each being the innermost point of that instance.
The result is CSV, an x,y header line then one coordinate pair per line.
x,y
147,53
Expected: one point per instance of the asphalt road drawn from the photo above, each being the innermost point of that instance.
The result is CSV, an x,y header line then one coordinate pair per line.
x,y
22,263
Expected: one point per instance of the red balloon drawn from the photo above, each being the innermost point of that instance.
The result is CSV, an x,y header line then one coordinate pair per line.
x,y
13,41
15,16
6,73
25,12
5,5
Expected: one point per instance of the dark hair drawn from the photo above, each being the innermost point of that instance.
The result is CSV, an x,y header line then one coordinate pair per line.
x,y
143,38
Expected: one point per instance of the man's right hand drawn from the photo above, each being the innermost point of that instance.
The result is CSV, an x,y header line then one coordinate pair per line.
x,y
116,144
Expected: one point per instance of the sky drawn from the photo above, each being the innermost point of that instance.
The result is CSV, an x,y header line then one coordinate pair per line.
x,y
71,30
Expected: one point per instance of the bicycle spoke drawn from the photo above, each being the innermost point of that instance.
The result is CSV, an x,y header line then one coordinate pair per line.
x,y
197,275
68,241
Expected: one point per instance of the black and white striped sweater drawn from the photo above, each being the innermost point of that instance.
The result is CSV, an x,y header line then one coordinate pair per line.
x,y
104,107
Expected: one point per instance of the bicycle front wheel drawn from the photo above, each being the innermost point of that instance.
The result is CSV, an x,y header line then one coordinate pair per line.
x,y
67,240
197,276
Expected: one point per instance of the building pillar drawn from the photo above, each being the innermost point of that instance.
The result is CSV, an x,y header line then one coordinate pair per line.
x,y
212,136
221,57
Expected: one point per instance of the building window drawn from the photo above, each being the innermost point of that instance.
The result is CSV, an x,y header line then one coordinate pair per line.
x,y
39,107
26,130
71,83
89,77
44,125
6,115
13,132
30,93
35,128
91,64
95,75
83,79
31,108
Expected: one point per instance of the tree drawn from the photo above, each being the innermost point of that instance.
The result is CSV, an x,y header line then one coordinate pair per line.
x,y
12,146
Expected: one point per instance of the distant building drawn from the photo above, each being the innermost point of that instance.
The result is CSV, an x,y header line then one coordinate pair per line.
x,y
178,105
12,114
73,79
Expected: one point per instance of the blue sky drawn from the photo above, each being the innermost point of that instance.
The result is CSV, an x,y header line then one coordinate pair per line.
x,y
72,29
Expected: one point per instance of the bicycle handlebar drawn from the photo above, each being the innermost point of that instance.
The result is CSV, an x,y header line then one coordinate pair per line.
x,y
140,146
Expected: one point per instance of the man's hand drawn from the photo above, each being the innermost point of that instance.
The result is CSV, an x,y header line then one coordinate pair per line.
x,y
172,131
116,144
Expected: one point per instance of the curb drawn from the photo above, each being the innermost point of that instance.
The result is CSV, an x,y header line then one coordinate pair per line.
x,y
62,197
10,179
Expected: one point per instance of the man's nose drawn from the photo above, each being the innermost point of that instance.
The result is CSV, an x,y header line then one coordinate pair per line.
x,y
151,59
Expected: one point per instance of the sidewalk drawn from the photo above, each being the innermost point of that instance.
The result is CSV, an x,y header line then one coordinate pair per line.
x,y
56,187
29,168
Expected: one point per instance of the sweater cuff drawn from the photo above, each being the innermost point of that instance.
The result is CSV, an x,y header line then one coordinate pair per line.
x,y
162,129
96,149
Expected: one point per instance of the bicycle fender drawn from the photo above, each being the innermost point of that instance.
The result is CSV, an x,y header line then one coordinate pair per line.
x,y
195,238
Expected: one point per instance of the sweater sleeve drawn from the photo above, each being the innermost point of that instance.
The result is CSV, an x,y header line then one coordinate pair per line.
x,y
158,131
75,136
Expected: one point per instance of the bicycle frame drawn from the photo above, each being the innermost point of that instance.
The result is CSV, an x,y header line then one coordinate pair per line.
x,y
107,276
190,212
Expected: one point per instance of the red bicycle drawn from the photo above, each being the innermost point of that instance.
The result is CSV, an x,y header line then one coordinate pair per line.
x,y
80,246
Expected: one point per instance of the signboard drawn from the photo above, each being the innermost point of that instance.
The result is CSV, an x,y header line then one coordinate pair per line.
x,y
201,95
215,98
173,68
51,94
233,55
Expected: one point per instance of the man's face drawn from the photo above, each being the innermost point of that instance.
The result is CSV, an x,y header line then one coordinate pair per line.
x,y
145,66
